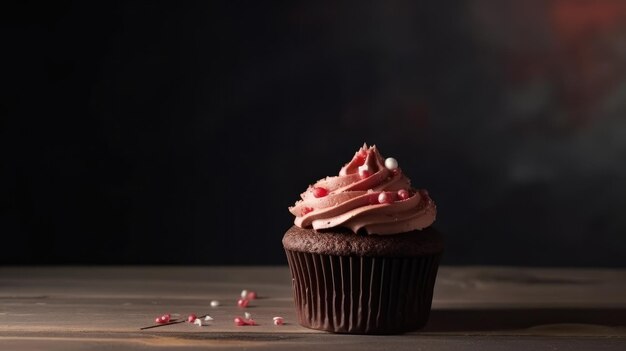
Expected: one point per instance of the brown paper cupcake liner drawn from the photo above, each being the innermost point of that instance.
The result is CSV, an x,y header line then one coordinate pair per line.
x,y
362,295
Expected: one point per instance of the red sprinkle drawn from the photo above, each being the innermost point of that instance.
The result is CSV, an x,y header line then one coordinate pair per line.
x,y
306,210
403,194
240,321
192,317
163,319
320,192
243,303
250,321
251,295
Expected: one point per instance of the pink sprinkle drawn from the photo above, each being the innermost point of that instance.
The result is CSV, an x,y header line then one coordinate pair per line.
x,y
192,317
306,210
243,303
403,194
251,295
163,319
239,321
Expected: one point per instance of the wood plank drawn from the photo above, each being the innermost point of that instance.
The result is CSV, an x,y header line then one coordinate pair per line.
x,y
62,307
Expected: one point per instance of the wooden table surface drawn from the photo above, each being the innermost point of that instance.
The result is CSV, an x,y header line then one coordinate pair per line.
x,y
100,308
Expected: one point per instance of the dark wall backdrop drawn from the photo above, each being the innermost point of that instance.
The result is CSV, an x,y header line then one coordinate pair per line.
x,y
180,132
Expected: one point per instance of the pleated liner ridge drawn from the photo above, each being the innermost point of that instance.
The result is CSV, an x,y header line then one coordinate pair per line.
x,y
362,295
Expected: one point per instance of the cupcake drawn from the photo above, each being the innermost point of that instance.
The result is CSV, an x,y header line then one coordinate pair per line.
x,y
362,253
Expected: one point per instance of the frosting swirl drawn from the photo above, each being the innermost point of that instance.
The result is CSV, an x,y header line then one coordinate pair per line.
x,y
370,194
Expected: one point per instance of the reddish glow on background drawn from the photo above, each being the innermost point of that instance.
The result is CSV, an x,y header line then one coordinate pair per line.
x,y
590,68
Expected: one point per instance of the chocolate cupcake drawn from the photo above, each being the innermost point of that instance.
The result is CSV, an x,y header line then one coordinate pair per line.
x,y
362,253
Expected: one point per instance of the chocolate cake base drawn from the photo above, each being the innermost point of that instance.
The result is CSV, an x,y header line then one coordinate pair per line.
x,y
362,284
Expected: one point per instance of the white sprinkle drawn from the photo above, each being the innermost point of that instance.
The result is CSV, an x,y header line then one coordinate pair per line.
x,y
198,322
208,318
275,318
364,168
391,163
278,320
244,294
215,303
247,315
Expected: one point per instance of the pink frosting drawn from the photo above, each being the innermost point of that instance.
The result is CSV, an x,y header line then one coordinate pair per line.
x,y
353,199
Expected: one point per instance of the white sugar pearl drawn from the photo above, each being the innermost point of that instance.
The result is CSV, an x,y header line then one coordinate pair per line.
x,y
244,294
215,303
391,163
383,198
247,315
208,318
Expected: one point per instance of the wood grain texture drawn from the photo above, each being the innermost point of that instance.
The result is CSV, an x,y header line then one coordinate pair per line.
x,y
474,307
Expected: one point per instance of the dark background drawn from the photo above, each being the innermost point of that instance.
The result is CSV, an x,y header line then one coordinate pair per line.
x,y
180,132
